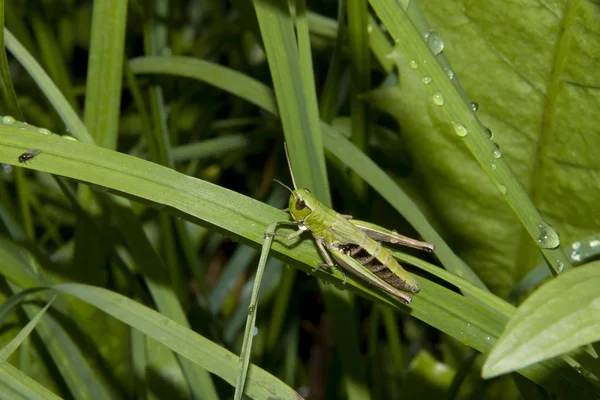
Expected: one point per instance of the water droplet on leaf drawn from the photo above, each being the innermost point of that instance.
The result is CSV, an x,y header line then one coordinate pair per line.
x,y
496,153
434,42
474,106
8,120
413,64
438,99
426,80
459,129
547,236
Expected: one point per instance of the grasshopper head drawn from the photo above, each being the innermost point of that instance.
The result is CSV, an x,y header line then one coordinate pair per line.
x,y
302,203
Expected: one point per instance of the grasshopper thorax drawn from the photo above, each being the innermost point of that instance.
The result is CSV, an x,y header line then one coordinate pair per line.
x,y
302,203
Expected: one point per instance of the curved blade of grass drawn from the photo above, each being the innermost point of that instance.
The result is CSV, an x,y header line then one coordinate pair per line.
x,y
50,53
560,316
156,276
23,334
18,267
179,339
14,384
245,219
60,103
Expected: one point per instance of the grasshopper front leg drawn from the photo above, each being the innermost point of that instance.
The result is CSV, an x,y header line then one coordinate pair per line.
x,y
328,261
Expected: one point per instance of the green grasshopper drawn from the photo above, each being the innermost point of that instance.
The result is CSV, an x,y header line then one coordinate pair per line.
x,y
355,245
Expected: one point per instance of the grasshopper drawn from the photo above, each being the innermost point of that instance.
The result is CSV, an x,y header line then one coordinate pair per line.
x,y
355,245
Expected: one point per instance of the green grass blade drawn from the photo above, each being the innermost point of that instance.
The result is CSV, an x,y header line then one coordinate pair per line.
x,y
60,103
51,56
296,97
179,339
156,276
16,385
105,71
8,89
9,348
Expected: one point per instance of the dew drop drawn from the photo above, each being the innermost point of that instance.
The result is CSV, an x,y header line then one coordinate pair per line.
x,y
250,310
69,137
496,153
488,132
426,80
44,131
255,331
459,129
370,28
576,256
493,166
576,246
413,64
502,189
547,236
434,42
594,243
8,120
450,73
560,266
475,106
438,99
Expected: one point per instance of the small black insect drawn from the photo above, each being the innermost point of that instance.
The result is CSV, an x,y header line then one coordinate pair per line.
x,y
28,155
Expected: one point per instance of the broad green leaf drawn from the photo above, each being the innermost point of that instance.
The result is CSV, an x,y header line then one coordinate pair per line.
x,y
530,67
560,316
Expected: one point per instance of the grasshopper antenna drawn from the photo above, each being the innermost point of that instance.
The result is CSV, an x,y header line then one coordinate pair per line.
x,y
284,185
287,157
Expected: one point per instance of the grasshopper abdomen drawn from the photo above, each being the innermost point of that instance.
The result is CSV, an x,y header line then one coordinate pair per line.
x,y
374,257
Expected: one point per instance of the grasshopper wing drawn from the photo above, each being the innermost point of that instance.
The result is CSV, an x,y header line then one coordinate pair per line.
x,y
351,266
380,234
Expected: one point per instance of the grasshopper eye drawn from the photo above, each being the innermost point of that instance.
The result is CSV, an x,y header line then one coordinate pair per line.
x,y
300,204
